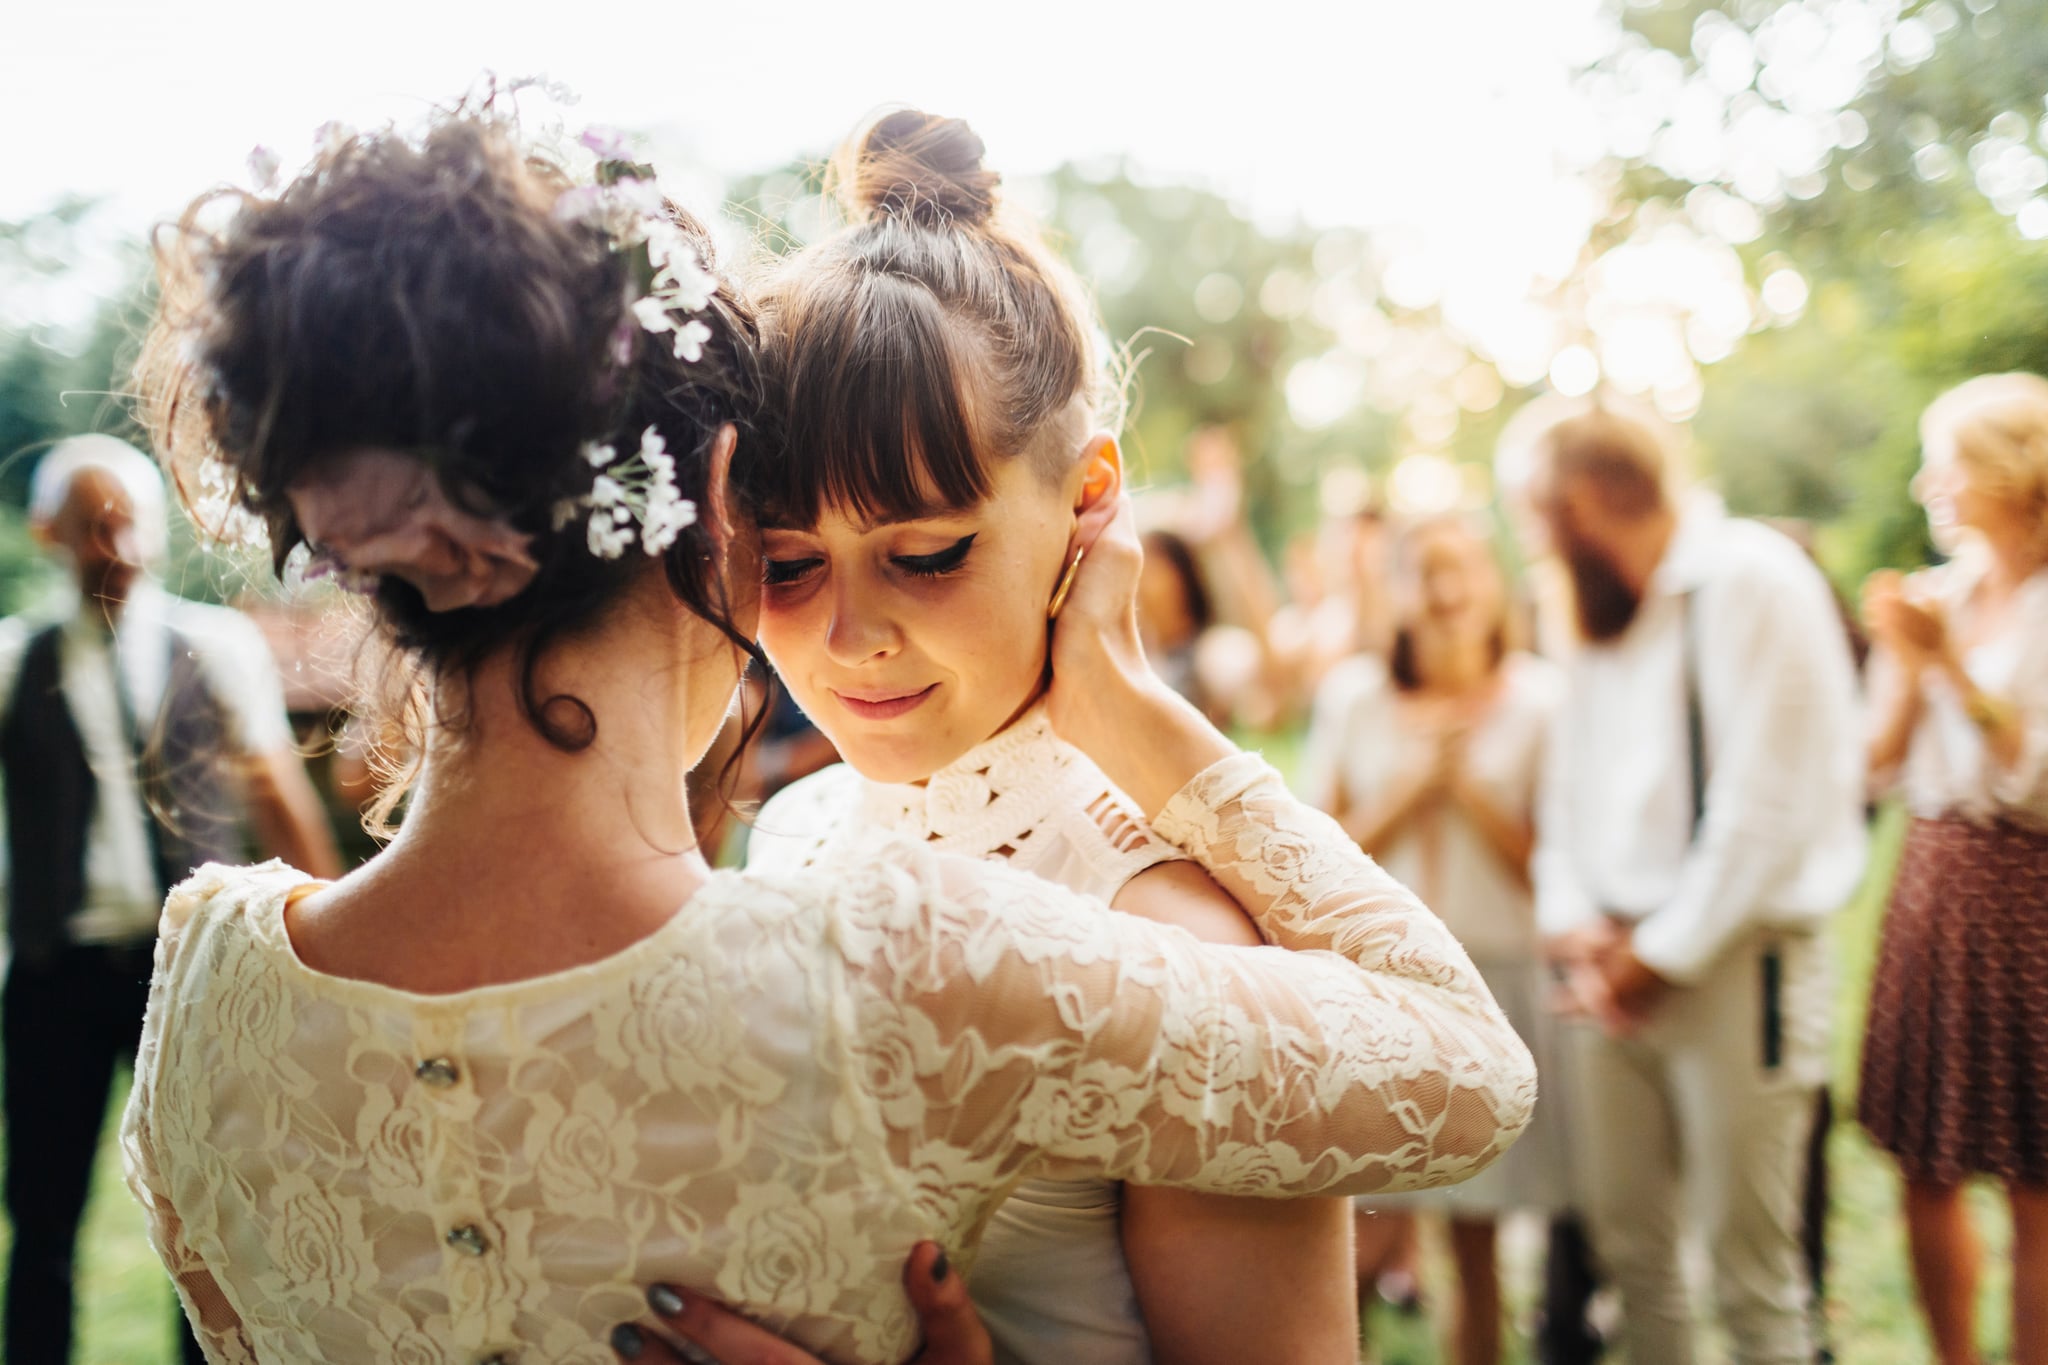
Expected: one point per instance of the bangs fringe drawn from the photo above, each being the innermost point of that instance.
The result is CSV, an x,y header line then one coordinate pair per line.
x,y
874,419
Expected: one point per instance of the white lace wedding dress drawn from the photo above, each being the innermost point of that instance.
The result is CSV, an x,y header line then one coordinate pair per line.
x,y
1050,1281
776,1094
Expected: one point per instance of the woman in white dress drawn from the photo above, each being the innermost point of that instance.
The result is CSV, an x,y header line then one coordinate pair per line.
x,y
944,455
1429,759
462,1104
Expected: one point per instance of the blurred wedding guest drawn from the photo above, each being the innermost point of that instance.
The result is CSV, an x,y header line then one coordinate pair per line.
x,y
135,724
1701,816
1210,596
1955,1058
1339,599
1429,758
1177,622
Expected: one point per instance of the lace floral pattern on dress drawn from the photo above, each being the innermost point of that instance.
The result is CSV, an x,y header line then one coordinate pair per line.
x,y
780,1091
1025,796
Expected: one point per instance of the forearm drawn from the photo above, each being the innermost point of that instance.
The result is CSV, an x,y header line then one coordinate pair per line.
x,y
1222,1281
1893,734
1149,740
1511,837
1998,721
1375,826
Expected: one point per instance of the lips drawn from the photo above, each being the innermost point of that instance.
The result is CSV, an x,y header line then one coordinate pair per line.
x,y
879,705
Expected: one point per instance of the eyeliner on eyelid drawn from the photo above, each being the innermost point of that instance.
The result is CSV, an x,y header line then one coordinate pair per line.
x,y
944,561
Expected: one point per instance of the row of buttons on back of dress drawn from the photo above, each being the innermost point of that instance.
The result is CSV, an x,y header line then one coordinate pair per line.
x,y
439,1073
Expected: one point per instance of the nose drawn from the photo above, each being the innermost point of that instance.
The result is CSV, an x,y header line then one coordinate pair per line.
x,y
861,627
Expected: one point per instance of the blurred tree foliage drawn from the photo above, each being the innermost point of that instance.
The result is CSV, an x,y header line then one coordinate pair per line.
x,y
65,375
1917,279
1915,273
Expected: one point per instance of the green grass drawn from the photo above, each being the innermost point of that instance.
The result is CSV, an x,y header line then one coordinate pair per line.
x,y
125,1303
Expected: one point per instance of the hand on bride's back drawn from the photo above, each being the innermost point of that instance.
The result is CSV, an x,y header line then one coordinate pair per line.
x,y
689,1328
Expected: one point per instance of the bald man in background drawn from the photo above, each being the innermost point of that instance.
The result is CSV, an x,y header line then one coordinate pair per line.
x,y
138,729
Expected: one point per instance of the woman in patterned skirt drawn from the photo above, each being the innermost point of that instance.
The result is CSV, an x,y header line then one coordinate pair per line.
x,y
1955,1058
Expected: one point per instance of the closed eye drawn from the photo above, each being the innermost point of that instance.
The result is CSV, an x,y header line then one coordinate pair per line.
x,y
777,572
933,565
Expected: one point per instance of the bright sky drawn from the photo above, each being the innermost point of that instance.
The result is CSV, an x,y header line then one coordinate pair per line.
x,y
1453,128
1434,113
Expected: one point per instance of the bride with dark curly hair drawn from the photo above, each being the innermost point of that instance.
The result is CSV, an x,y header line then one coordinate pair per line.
x,y
462,1104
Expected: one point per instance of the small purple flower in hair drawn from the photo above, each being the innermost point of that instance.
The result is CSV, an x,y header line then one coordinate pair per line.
x,y
608,143
622,341
331,136
583,204
322,563
264,166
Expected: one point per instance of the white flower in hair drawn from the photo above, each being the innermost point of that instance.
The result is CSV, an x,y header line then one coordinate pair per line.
x,y
636,492
653,314
218,510
690,339
627,203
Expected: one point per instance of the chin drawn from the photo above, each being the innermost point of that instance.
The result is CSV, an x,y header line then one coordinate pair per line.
x,y
900,760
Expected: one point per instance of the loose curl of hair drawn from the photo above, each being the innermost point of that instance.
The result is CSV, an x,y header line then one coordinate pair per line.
x,y
930,337
417,293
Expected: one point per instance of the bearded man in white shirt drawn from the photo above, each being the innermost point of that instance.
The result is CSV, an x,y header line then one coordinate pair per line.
x,y
135,728
1701,817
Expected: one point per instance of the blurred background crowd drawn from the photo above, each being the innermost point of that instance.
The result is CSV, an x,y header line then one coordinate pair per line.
x,y
1780,227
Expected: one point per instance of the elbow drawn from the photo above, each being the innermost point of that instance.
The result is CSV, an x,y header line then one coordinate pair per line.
x,y
1500,1084
1512,1091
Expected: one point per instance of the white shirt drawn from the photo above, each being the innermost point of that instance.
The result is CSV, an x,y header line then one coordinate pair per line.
x,y
1358,744
1782,841
1947,770
122,897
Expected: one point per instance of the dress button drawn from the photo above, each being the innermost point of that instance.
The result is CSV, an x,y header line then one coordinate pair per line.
x,y
438,1072
499,1358
468,1238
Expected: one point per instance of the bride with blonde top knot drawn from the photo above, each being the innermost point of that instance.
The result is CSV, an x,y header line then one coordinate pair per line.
x,y
471,1101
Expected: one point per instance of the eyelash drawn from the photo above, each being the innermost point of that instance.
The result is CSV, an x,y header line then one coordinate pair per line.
x,y
940,564
782,572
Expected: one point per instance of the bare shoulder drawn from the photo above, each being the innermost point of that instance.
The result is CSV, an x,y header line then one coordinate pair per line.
x,y
1181,893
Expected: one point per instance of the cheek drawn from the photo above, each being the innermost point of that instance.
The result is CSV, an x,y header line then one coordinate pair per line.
x,y
787,635
991,632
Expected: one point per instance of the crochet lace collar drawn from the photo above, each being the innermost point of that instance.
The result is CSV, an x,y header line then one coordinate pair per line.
x,y
992,798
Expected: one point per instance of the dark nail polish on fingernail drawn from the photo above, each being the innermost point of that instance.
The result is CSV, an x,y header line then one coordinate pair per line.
x,y
665,1301
941,1268
627,1341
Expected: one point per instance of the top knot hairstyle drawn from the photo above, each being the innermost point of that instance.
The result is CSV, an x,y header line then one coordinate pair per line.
x,y
920,168
424,295
928,338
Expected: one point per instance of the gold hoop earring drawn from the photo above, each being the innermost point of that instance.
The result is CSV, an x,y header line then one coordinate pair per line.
x,y
1059,594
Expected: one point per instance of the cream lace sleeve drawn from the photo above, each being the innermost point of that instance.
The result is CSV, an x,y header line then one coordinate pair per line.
x,y
214,1321
1006,1025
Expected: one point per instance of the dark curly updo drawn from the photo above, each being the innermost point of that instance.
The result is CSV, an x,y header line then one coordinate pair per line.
x,y
421,294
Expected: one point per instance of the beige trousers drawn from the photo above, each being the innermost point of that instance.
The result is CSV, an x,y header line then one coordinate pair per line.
x,y
1700,1121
